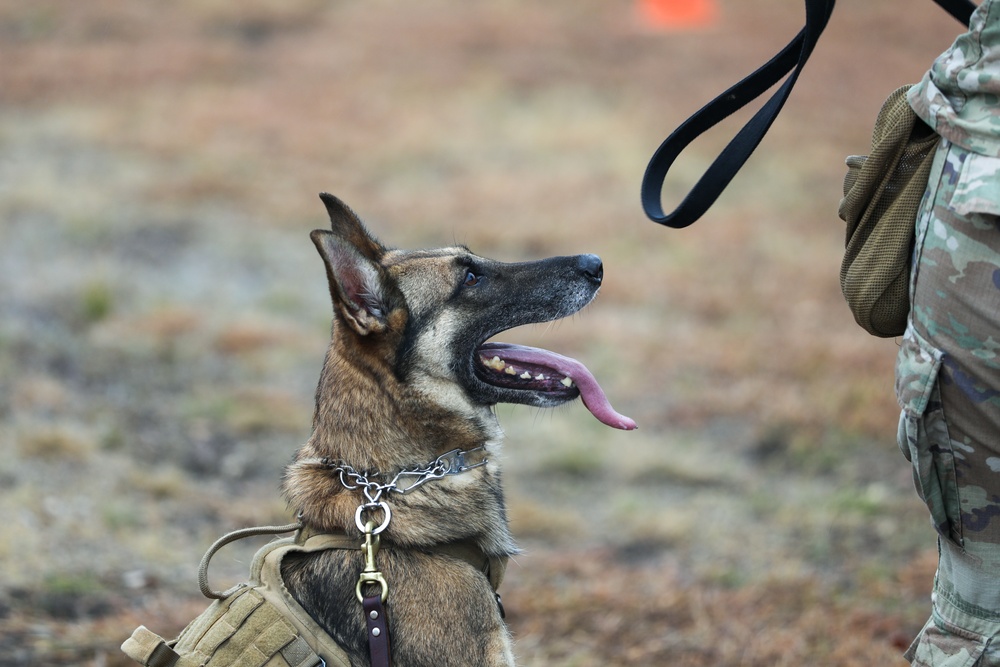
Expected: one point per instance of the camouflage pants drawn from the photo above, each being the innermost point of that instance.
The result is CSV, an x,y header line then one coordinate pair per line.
x,y
948,385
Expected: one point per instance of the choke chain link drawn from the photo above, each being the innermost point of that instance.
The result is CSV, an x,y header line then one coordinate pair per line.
x,y
450,463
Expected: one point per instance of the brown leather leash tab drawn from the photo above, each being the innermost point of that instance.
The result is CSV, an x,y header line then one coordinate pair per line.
x,y
375,620
378,630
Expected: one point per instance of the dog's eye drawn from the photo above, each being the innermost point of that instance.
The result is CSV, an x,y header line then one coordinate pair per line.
x,y
471,279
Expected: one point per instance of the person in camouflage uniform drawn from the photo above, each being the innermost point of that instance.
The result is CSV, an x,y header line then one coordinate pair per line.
x,y
948,368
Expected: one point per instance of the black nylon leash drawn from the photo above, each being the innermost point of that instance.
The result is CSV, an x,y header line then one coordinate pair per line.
x,y
792,59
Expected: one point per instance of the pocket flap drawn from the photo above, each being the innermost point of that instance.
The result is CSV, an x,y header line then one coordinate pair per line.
x,y
942,644
917,368
978,188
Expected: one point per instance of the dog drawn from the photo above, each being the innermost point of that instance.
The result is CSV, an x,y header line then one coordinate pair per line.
x,y
409,381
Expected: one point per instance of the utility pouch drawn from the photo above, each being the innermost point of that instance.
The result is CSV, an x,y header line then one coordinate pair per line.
x,y
243,630
254,624
882,195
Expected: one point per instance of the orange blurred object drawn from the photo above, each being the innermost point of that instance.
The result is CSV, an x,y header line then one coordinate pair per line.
x,y
677,14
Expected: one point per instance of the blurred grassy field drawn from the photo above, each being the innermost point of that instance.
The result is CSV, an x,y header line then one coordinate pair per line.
x,y
163,315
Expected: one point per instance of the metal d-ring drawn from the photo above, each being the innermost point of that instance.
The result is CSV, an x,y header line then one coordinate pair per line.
x,y
370,506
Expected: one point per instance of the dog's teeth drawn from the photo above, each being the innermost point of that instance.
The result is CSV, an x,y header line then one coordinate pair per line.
x,y
567,382
496,363
525,375
510,370
539,377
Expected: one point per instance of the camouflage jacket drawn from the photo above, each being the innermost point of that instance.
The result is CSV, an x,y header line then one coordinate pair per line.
x,y
960,95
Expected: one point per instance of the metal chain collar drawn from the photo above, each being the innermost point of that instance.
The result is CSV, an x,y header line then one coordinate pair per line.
x,y
450,463
404,481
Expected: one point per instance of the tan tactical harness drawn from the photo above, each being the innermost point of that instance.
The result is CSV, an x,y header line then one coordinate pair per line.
x,y
259,624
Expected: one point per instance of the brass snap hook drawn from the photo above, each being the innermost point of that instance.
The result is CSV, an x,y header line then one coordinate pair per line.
x,y
370,575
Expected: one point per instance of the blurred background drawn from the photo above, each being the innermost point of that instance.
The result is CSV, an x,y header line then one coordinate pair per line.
x,y
164,316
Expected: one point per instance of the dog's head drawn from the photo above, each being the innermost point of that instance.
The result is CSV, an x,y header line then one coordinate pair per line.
x,y
427,316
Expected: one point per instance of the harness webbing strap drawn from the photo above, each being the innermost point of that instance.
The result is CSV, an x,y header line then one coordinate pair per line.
x,y
148,648
494,567
260,623
266,568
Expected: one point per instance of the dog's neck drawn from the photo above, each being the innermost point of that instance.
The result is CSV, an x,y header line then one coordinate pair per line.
x,y
370,421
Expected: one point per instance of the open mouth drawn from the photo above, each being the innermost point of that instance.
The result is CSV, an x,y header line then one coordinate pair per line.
x,y
557,377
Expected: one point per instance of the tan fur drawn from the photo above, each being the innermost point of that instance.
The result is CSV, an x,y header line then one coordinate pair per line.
x,y
390,397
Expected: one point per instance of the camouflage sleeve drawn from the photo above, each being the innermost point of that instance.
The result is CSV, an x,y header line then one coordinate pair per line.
x,y
960,95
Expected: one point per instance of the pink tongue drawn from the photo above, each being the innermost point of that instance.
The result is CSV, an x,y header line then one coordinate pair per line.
x,y
590,391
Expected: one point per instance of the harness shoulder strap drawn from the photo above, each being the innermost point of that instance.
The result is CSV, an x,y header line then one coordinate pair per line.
x,y
266,569
493,567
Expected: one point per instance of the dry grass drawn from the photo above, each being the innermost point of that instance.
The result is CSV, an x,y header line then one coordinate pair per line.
x,y
163,315
605,607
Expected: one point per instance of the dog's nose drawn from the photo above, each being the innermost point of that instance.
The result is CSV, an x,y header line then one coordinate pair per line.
x,y
592,267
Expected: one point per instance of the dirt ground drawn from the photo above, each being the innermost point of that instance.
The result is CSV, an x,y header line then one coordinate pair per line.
x,y
163,315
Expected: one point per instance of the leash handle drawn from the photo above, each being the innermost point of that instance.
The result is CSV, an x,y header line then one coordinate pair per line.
x,y
792,59
961,10
228,538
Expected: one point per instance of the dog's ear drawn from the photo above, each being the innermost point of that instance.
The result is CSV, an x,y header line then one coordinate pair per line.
x,y
351,256
347,225
355,283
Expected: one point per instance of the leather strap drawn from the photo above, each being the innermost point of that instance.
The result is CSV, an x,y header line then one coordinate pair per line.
x,y
493,567
792,58
378,630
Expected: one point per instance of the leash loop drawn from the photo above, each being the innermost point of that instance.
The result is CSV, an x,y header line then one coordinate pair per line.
x,y
790,60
